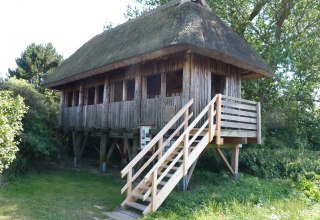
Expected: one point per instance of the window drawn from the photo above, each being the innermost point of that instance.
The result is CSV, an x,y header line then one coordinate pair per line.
x,y
76,96
218,83
118,91
100,94
130,89
174,83
90,95
153,86
69,99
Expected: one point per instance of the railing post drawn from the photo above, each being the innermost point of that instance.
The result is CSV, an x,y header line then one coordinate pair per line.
x,y
185,162
186,114
211,132
154,190
160,143
218,120
129,177
258,123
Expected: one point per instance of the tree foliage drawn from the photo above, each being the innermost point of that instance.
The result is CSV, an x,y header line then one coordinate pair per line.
x,y
287,35
11,113
35,63
38,138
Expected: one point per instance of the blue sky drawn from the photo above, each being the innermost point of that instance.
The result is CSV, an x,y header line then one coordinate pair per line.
x,y
67,24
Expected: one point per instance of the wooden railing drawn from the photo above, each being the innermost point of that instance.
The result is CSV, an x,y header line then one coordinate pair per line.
x,y
223,114
156,142
183,141
240,118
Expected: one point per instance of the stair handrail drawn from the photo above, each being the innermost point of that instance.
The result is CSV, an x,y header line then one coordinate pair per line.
x,y
179,140
156,139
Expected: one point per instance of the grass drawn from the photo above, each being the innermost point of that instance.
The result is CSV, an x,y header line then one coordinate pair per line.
x,y
215,196
60,194
72,194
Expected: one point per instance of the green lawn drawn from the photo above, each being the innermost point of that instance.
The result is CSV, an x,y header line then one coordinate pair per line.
x,y
72,194
60,194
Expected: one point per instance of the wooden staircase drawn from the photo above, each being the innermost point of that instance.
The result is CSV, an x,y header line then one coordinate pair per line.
x,y
174,150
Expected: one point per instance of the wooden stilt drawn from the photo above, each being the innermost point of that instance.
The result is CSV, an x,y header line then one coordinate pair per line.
x,y
103,152
235,161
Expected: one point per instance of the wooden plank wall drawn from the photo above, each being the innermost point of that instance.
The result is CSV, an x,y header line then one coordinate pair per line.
x,y
197,72
200,89
153,110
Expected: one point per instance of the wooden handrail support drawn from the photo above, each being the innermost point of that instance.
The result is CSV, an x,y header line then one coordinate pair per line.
x,y
156,139
218,119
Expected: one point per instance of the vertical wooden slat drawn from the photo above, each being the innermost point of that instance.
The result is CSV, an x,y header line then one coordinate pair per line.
x,y
61,116
211,131
259,123
163,85
154,190
218,120
160,143
80,108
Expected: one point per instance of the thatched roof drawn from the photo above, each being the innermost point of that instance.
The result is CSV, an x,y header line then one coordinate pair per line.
x,y
176,26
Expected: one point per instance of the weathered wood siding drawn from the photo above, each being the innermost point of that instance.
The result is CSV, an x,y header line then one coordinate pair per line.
x,y
121,115
197,71
202,69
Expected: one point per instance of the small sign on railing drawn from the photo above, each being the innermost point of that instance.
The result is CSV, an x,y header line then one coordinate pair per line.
x,y
145,136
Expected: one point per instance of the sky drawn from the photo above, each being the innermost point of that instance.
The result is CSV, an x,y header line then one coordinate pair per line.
x,y
67,24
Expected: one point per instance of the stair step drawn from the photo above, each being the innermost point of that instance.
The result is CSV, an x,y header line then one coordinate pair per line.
x,y
139,196
136,205
171,159
162,183
167,175
173,168
146,188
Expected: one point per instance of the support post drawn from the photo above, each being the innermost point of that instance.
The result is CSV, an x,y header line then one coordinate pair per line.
x,y
103,152
154,190
76,140
61,108
259,123
160,143
106,91
129,177
218,120
211,132
235,160
185,154
80,108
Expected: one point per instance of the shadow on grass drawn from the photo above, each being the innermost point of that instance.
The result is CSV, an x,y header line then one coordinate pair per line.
x,y
60,194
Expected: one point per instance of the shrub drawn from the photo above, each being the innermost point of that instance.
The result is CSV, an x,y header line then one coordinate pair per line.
x,y
11,113
38,140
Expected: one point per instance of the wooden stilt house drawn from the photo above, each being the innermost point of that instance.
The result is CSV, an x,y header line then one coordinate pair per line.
x,y
176,70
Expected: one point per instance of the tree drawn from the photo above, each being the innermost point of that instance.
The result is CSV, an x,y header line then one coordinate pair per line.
x,y
35,63
11,113
287,35
38,140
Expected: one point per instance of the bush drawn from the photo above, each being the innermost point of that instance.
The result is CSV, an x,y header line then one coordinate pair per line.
x,y
301,165
11,113
38,140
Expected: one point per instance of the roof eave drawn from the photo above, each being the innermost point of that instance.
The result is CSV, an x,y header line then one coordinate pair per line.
x,y
255,72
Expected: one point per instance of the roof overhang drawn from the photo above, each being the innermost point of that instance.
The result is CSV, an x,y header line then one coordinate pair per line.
x,y
251,71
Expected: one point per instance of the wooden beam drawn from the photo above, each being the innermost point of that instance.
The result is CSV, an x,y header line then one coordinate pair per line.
x,y
138,96
103,152
163,85
224,159
259,123
61,108
235,160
